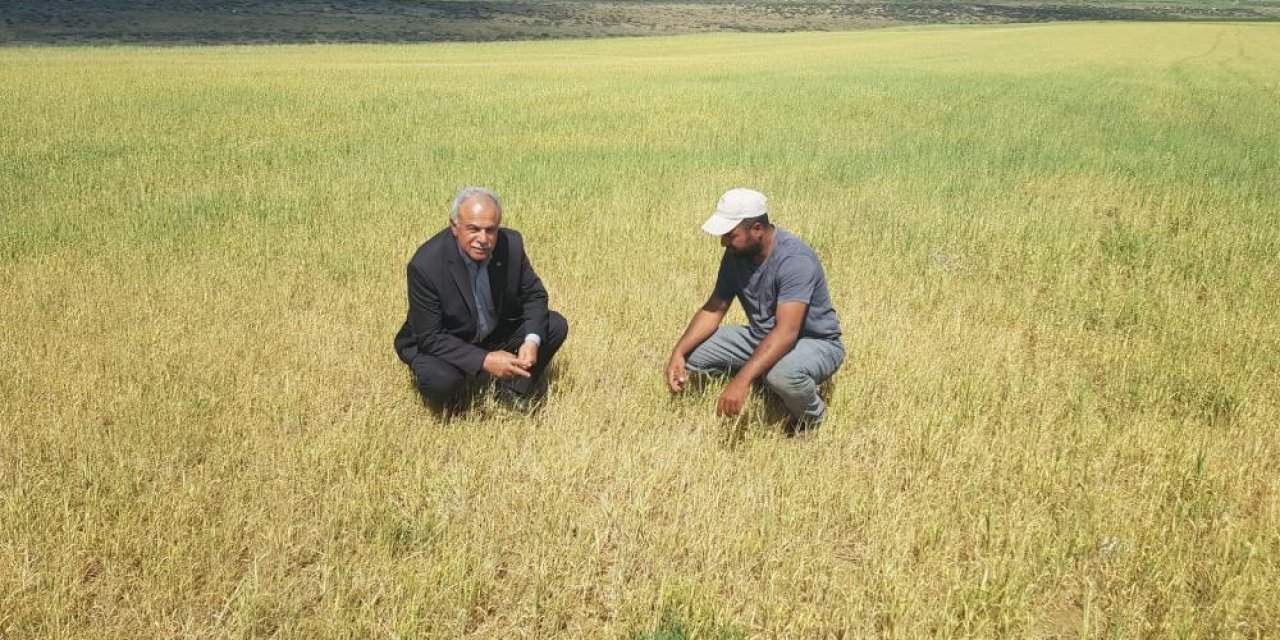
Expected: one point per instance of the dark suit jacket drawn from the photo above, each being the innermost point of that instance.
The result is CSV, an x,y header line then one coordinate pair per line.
x,y
442,306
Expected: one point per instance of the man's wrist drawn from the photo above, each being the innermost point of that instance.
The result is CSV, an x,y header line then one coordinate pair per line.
x,y
534,338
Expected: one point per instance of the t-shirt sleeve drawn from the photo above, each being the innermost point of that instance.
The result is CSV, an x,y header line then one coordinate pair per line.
x,y
797,279
727,285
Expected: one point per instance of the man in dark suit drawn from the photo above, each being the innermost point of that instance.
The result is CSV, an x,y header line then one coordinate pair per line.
x,y
476,307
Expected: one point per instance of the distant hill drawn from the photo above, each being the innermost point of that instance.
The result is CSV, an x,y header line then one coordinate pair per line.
x,y
297,21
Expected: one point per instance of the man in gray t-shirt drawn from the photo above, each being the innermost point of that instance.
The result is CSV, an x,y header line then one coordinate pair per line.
x,y
792,340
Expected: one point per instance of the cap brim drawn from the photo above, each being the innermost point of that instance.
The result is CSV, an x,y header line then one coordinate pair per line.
x,y
718,226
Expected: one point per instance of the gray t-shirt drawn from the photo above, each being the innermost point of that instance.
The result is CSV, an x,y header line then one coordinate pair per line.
x,y
791,273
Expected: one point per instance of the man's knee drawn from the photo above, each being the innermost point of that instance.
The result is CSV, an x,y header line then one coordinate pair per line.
x,y
557,329
705,359
724,352
786,380
438,381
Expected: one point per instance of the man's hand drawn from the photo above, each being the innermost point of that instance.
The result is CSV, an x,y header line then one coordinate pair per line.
x,y
733,398
676,376
701,326
503,364
528,354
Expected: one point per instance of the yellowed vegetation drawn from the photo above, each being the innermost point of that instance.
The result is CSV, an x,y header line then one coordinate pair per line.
x,y
1054,250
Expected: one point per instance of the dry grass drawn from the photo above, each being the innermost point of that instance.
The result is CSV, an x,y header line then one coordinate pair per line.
x,y
1053,249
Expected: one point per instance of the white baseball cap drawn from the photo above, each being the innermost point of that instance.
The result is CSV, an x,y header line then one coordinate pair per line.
x,y
735,206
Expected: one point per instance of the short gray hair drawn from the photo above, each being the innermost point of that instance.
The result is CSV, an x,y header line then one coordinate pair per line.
x,y
469,193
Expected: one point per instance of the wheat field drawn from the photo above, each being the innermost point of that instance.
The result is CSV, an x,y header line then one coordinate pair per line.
x,y
1053,250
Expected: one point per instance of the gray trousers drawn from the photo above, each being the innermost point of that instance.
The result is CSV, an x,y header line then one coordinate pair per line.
x,y
795,378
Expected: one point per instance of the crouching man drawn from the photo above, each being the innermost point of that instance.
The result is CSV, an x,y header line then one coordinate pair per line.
x,y
792,341
477,307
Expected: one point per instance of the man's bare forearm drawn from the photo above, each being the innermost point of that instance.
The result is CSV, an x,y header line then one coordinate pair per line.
x,y
704,323
778,343
770,350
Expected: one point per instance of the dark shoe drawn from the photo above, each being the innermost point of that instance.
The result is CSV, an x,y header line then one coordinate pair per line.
x,y
447,410
795,428
517,401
